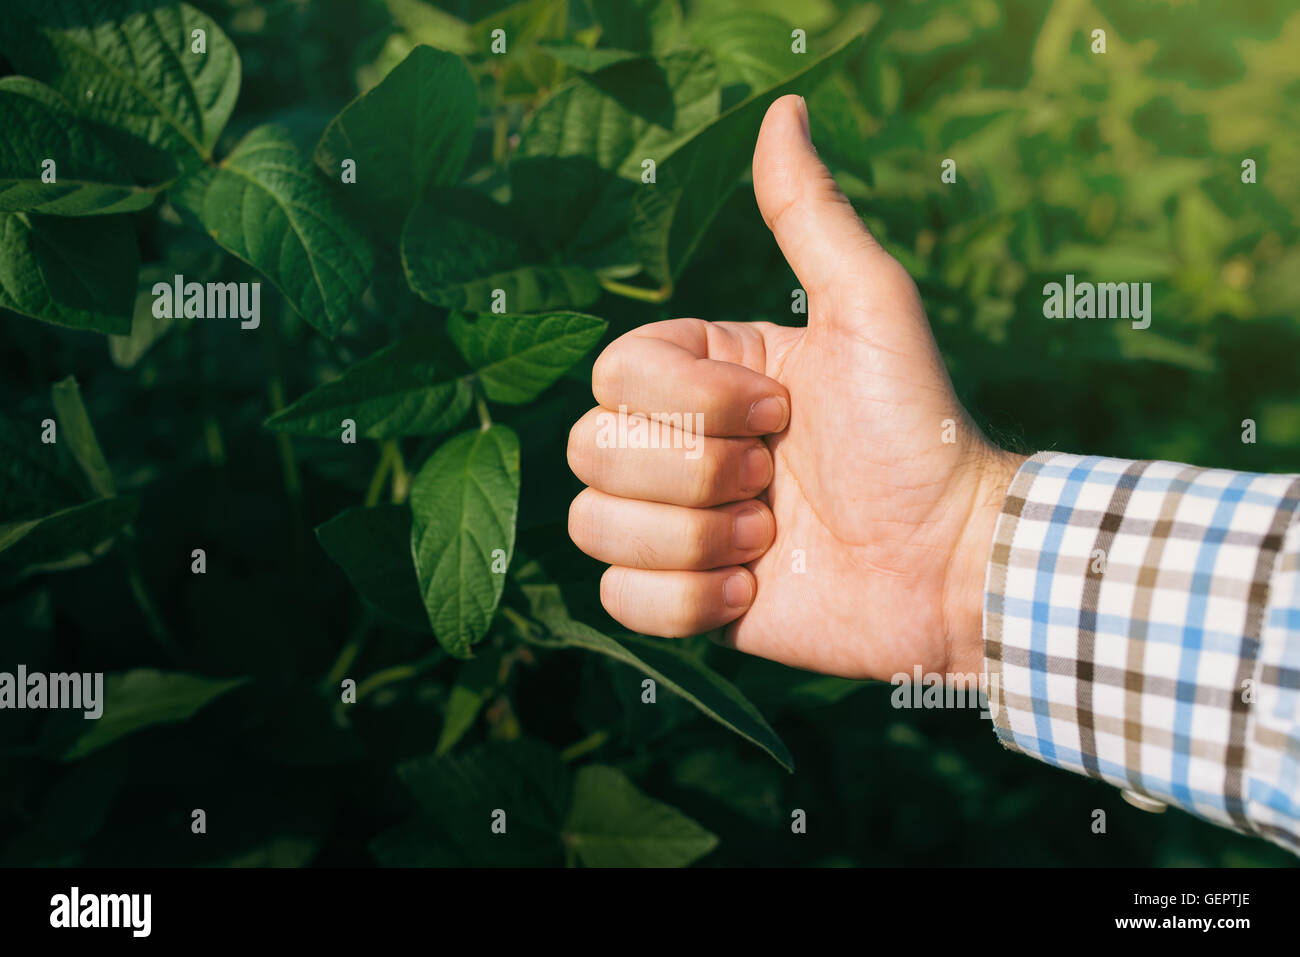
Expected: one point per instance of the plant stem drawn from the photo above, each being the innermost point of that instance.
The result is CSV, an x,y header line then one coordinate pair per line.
x,y
212,439
527,628
380,474
662,294
500,121
500,137
484,417
401,477
143,599
288,462
349,652
588,744
387,676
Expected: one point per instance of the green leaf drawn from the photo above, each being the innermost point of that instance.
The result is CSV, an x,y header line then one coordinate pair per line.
x,y
410,132
265,204
427,24
130,64
522,71
46,522
89,178
776,688
408,388
458,247
146,328
662,660
581,158
66,538
612,824
75,273
464,503
587,59
752,48
671,216
748,788
419,842
75,430
476,682
459,793
642,25
35,478
138,699
517,357
373,547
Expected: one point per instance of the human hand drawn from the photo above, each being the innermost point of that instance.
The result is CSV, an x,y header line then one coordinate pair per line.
x,y
822,516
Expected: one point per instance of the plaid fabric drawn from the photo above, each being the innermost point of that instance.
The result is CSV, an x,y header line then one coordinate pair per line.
x,y
1142,626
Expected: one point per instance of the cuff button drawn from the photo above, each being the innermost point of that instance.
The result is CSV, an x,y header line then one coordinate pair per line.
x,y
1144,803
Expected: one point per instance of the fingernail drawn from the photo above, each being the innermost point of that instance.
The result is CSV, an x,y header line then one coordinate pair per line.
x,y
803,118
768,415
737,592
750,530
755,469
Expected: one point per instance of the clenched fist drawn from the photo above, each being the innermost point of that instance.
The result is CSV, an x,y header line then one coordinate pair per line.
x,y
820,514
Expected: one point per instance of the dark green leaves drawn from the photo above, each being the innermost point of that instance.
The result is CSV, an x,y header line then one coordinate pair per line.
x,y
518,804
44,141
414,387
516,357
641,25
75,429
130,64
612,824
521,786
460,247
587,59
582,157
65,538
36,477
409,388
463,505
476,681
752,48
664,661
410,132
75,273
138,699
44,521
672,215
373,547
265,204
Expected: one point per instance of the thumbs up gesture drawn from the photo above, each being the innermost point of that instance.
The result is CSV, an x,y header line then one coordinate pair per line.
x,y
836,509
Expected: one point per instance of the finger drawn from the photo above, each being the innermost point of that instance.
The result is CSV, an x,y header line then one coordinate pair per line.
x,y
635,457
820,234
624,531
675,604
696,368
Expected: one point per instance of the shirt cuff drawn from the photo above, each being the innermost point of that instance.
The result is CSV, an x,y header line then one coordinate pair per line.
x,y
1129,632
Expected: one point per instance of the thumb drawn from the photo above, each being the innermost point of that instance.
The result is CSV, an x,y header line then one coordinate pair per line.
x,y
826,244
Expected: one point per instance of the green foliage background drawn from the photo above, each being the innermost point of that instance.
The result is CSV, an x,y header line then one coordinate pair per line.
x,y
223,688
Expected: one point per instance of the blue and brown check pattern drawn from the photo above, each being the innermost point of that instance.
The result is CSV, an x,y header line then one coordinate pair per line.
x,y
1142,625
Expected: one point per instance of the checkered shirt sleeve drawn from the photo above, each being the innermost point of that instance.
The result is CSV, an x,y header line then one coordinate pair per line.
x,y
1142,626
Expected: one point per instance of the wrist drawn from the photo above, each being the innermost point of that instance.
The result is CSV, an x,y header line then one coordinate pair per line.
x,y
990,477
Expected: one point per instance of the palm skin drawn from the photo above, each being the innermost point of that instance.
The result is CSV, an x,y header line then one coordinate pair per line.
x,y
883,492
877,503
